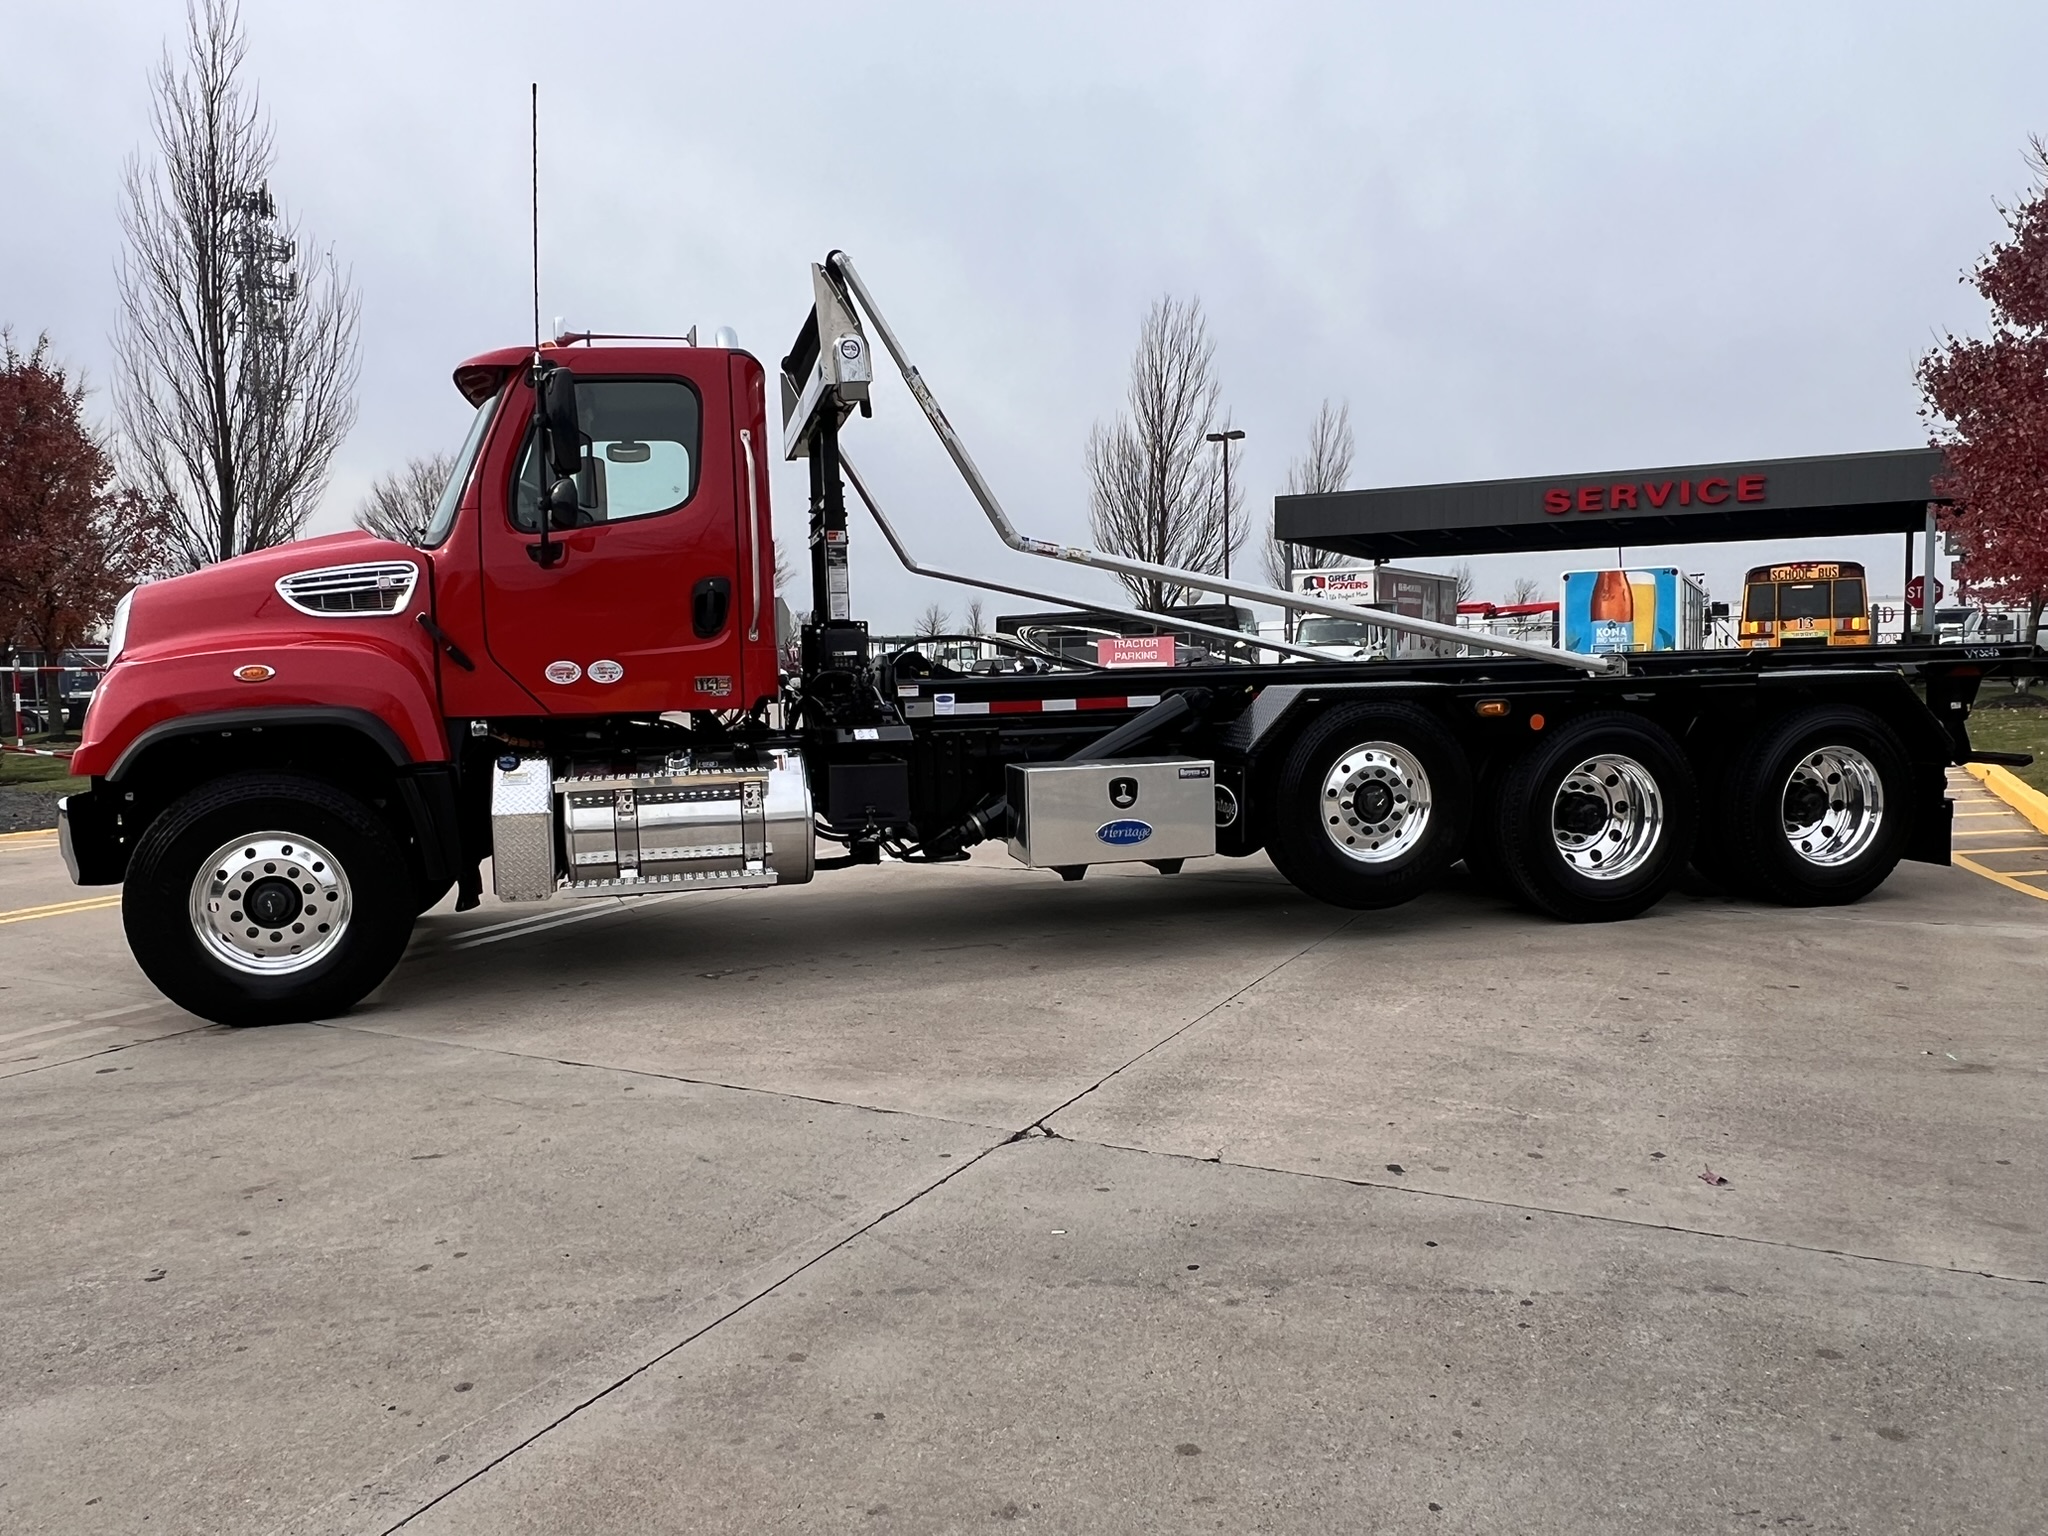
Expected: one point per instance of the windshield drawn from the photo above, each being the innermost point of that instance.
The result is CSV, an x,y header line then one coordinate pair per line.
x,y
443,520
1325,631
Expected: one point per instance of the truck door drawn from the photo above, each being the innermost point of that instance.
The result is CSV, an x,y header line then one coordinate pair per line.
x,y
642,611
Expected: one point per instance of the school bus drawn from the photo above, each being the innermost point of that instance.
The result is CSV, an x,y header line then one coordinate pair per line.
x,y
1813,603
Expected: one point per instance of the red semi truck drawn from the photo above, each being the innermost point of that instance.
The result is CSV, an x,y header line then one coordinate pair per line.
x,y
575,676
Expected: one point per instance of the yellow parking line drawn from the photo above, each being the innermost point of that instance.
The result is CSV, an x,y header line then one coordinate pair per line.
x,y
2022,874
59,909
1964,815
2030,848
2005,880
45,834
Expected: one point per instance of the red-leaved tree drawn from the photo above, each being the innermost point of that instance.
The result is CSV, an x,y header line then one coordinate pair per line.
x,y
1988,400
70,542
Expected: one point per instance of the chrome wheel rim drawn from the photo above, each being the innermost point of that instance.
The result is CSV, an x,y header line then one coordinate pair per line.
x,y
270,904
1832,806
1375,802
1607,817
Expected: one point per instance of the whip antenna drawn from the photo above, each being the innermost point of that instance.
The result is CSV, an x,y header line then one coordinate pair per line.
x,y
536,220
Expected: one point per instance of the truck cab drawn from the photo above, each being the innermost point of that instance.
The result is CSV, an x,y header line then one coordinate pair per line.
x,y
598,578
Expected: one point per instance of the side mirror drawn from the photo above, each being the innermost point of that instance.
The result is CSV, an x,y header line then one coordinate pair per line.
x,y
558,418
562,507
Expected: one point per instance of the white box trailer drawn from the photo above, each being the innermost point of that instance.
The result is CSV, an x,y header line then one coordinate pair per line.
x,y
1413,594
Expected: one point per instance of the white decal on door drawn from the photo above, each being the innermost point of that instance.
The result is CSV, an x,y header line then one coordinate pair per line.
x,y
606,671
563,672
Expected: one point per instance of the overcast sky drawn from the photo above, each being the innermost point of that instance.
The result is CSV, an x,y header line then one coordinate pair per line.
x,y
1519,239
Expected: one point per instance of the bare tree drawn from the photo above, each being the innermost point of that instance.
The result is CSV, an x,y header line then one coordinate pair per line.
x,y
1153,489
1524,590
401,504
235,353
1462,574
933,621
975,617
1325,467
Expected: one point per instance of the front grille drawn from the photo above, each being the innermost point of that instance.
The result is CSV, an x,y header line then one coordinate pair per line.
x,y
351,591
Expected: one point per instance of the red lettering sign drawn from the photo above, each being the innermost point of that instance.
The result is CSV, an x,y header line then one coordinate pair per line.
x,y
1629,497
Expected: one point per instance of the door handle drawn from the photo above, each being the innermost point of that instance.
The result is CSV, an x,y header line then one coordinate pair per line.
x,y
710,599
753,536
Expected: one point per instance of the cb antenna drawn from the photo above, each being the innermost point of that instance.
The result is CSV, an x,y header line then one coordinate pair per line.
x,y
536,221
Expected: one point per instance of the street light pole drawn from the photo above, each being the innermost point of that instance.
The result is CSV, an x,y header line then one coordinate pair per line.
x,y
1234,434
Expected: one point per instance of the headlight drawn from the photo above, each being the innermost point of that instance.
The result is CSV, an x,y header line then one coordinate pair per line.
x,y
117,632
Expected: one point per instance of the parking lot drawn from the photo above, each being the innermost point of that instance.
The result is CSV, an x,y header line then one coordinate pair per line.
x,y
937,1199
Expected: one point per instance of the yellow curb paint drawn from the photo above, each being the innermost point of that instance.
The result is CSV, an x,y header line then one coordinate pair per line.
x,y
2005,880
2013,790
41,834
59,909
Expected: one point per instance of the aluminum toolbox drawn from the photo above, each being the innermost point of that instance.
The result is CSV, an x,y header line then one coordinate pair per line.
x,y
1122,812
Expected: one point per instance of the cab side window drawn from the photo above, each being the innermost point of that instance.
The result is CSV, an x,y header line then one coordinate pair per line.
x,y
640,448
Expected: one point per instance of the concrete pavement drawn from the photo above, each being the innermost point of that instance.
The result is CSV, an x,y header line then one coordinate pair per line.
x,y
928,1199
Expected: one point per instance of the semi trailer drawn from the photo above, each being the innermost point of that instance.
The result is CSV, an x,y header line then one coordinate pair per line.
x,y
574,676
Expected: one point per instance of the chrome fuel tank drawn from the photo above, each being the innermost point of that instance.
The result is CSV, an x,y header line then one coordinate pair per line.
x,y
687,825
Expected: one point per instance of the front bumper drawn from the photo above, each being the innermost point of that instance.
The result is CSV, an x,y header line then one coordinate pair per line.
x,y
91,838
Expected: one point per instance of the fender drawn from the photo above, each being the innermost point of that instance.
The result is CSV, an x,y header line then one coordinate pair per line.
x,y
388,695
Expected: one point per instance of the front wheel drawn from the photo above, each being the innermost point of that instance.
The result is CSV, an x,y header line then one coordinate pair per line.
x,y
267,899
1596,822
1370,806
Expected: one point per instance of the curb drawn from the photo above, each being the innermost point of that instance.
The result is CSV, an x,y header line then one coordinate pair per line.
x,y
2013,790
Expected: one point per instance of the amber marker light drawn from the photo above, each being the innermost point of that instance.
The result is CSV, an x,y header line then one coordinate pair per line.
x,y
1535,722
255,672
1493,709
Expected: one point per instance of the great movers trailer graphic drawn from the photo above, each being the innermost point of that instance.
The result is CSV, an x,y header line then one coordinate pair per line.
x,y
1656,609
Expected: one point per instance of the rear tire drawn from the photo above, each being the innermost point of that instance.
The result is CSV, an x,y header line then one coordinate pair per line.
x,y
1370,806
329,900
1596,821
1817,808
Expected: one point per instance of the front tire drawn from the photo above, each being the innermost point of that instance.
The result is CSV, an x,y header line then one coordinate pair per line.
x,y
1596,821
267,899
1370,806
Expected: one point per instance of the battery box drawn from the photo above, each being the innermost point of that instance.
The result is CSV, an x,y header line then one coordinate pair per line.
x,y
1133,810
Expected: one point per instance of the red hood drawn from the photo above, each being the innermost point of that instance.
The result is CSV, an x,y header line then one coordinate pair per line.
x,y
240,594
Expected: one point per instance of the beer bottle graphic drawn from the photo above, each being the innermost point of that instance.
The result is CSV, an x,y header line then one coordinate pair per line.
x,y
1613,612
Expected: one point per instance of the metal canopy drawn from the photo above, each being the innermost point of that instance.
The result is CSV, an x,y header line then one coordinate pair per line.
x,y
1832,496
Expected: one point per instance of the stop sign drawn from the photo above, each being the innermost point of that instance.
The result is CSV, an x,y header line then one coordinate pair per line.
x,y
1916,591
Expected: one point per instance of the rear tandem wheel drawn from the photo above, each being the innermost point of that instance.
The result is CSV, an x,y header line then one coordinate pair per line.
x,y
1370,806
1595,821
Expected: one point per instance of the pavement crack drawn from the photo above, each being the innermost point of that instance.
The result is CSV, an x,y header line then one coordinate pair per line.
x,y
343,1027
1043,1122
1217,1159
690,1338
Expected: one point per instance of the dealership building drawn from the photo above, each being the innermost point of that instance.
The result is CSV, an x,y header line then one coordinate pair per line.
x,y
1831,496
